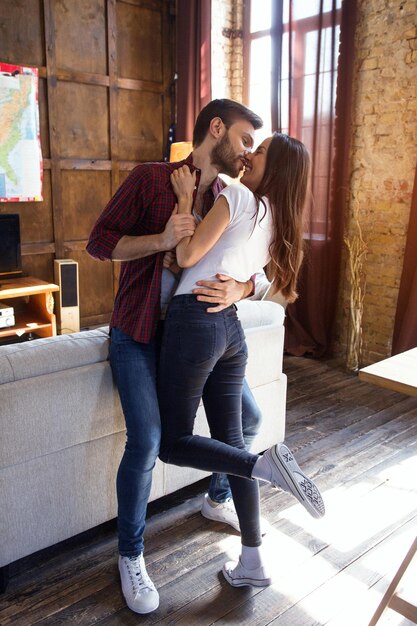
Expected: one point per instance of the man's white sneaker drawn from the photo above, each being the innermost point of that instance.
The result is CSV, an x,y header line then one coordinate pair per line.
x,y
139,591
225,512
286,474
238,576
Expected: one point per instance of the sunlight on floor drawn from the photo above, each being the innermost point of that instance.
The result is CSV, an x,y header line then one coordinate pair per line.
x,y
402,475
358,512
348,597
322,591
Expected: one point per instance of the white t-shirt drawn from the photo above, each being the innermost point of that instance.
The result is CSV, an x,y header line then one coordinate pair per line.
x,y
243,247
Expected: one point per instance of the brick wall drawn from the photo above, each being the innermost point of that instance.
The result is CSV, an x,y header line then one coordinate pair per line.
x,y
227,49
383,162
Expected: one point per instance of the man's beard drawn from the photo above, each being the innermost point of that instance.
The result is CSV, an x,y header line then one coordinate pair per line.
x,y
224,158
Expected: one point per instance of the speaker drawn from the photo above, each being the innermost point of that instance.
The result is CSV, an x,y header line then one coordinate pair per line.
x,y
67,299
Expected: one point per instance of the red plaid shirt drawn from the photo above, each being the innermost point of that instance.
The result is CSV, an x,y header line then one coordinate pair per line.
x,y
141,206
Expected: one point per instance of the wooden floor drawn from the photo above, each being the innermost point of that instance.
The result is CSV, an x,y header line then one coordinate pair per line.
x,y
359,442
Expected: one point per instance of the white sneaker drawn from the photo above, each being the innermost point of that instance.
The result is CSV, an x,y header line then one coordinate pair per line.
x,y
286,474
238,576
139,591
225,512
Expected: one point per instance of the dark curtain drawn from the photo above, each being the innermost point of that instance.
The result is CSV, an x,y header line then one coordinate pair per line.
x,y
405,327
193,63
318,85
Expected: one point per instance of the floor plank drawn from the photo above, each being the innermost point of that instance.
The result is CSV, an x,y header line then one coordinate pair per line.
x,y
359,443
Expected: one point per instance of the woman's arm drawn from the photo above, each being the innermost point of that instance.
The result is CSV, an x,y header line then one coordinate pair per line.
x,y
191,249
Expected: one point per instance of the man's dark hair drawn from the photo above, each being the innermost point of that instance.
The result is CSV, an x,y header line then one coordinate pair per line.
x,y
229,112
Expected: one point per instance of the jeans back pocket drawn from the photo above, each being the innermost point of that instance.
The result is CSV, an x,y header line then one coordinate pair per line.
x,y
197,341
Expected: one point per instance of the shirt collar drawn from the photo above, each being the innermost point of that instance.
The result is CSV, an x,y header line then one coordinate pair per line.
x,y
216,186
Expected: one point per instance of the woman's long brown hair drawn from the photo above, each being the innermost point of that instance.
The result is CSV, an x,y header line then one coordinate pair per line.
x,y
285,185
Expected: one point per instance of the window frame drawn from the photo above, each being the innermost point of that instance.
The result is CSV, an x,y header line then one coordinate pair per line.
x,y
306,25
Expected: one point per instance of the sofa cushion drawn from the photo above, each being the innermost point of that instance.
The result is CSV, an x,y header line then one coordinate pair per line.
x,y
51,412
260,313
54,354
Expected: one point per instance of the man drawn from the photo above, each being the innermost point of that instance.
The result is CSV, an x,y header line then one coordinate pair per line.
x,y
137,227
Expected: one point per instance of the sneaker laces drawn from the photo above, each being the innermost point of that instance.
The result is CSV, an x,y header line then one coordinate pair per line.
x,y
138,574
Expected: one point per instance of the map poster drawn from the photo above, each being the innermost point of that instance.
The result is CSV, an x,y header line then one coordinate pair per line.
x,y
20,148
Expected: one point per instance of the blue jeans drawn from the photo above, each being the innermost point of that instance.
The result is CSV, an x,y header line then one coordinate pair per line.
x,y
219,489
204,356
134,368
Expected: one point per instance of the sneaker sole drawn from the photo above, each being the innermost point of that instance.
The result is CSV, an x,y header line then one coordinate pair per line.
x,y
302,487
141,612
247,582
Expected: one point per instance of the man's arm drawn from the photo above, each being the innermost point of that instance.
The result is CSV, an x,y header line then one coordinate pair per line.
x,y
111,238
129,248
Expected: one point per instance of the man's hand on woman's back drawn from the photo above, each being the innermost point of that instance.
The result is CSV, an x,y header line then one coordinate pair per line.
x,y
222,294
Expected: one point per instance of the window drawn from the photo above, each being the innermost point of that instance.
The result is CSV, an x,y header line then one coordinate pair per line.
x,y
291,69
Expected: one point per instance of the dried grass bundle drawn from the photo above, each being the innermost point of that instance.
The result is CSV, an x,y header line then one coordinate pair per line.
x,y
357,250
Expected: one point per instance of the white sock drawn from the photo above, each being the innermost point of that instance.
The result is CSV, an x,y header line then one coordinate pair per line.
x,y
251,558
263,471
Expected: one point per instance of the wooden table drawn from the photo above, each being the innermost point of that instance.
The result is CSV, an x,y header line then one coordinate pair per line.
x,y
398,373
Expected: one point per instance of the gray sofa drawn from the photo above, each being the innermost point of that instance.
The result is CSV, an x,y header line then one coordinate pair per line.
x,y
62,430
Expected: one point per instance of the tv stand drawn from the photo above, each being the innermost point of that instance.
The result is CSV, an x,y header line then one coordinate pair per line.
x,y
33,305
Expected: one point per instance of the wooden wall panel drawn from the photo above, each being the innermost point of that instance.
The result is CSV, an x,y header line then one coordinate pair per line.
x,y
83,121
106,71
96,287
84,196
139,35
81,42
140,125
39,265
43,118
123,175
22,32
35,217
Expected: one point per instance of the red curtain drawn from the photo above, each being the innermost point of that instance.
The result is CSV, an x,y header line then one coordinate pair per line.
x,y
405,328
320,72
193,63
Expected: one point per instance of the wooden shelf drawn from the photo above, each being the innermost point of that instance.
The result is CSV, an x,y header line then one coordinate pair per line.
x,y
28,286
33,305
24,324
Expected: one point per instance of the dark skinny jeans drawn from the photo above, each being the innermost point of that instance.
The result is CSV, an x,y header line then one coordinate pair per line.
x,y
204,355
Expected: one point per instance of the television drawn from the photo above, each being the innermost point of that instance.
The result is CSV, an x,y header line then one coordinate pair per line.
x,y
10,256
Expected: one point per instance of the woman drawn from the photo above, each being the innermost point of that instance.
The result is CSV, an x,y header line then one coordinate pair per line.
x,y
204,355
